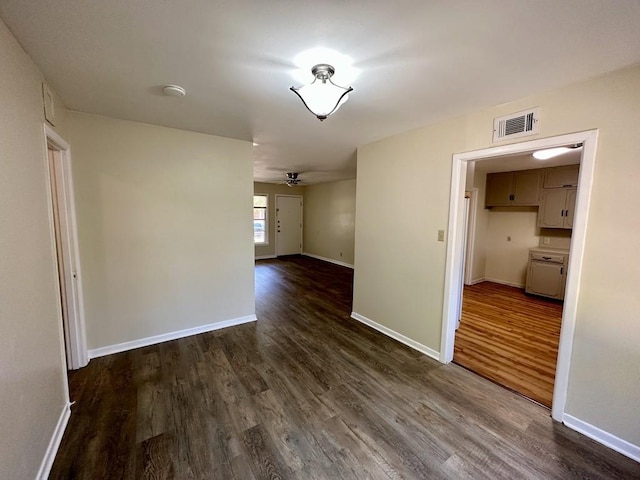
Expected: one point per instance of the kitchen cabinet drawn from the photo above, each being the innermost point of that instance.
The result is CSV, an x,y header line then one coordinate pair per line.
x,y
557,207
513,188
547,273
561,177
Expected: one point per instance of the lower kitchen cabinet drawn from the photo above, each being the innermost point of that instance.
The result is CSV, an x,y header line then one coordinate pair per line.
x,y
547,273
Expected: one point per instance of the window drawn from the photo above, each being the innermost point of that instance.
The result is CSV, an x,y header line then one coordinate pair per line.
x,y
260,220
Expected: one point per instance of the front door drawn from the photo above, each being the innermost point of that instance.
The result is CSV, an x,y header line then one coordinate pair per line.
x,y
288,224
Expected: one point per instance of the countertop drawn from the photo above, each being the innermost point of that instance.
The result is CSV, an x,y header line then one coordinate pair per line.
x,y
538,249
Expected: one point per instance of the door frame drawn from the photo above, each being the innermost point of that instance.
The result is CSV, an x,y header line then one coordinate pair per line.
x,y
301,198
453,294
471,236
75,341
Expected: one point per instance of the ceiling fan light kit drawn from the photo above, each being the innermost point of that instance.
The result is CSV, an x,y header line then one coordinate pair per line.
x,y
322,97
292,179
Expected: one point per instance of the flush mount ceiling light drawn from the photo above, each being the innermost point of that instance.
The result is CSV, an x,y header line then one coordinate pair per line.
x,y
554,152
174,91
322,97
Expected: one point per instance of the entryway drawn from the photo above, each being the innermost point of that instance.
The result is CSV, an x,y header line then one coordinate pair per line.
x,y
457,235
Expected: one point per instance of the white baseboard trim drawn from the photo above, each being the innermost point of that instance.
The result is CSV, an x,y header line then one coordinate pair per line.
x,y
504,282
165,337
54,443
330,260
430,352
605,438
476,280
265,257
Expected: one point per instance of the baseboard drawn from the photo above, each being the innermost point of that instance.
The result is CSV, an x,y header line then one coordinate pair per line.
x,y
54,443
266,257
330,260
430,352
475,281
165,337
503,282
605,438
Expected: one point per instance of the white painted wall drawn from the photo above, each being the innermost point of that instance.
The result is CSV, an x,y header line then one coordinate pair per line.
x,y
329,220
399,265
164,226
33,391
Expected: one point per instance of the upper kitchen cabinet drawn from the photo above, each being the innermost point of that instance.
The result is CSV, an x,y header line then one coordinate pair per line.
x,y
513,188
561,177
557,208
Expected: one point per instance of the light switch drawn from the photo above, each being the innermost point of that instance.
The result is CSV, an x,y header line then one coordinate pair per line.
x,y
441,235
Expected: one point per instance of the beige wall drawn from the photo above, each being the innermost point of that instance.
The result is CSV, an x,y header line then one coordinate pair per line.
x,y
273,189
479,254
399,265
506,260
164,226
329,226
33,390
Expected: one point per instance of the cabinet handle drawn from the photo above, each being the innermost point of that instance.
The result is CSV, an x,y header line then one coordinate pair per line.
x,y
561,270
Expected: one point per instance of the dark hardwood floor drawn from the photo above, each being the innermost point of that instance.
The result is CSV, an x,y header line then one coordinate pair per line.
x,y
510,337
308,393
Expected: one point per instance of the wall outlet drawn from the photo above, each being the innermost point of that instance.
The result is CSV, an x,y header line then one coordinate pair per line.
x,y
441,235
546,240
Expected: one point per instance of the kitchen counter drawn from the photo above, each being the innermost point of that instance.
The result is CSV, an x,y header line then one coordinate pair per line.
x,y
562,251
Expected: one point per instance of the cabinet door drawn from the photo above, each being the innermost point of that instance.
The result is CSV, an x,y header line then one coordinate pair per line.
x,y
558,177
552,207
570,207
545,279
526,188
499,186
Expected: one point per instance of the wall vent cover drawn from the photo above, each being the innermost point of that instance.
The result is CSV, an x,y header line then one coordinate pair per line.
x,y
520,124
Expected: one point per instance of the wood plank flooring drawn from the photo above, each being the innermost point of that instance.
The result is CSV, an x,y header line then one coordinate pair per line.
x,y
308,393
510,337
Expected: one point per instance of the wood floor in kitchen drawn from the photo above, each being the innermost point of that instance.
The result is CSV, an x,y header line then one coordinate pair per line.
x,y
510,337
306,392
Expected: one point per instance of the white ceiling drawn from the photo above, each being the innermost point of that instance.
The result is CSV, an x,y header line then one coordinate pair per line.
x,y
420,61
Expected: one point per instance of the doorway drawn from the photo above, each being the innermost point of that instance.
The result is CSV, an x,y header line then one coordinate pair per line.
x,y
63,221
455,250
288,225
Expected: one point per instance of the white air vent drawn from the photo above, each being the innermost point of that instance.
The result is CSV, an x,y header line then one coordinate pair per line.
x,y
516,125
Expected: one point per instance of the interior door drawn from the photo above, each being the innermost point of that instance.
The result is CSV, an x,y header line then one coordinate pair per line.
x,y
288,224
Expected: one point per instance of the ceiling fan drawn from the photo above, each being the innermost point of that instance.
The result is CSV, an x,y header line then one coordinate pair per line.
x,y
292,179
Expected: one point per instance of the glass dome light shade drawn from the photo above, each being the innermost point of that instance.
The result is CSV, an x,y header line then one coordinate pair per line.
x,y
322,97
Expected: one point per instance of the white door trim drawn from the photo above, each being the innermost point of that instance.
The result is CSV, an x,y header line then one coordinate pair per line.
x,y
278,195
75,339
454,249
471,237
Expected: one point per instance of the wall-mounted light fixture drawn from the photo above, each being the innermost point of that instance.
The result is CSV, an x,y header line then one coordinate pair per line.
x,y
322,97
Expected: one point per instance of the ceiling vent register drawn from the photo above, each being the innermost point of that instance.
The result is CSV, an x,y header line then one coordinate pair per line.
x,y
520,124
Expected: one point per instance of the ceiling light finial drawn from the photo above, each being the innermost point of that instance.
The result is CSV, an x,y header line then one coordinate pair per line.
x,y
322,97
